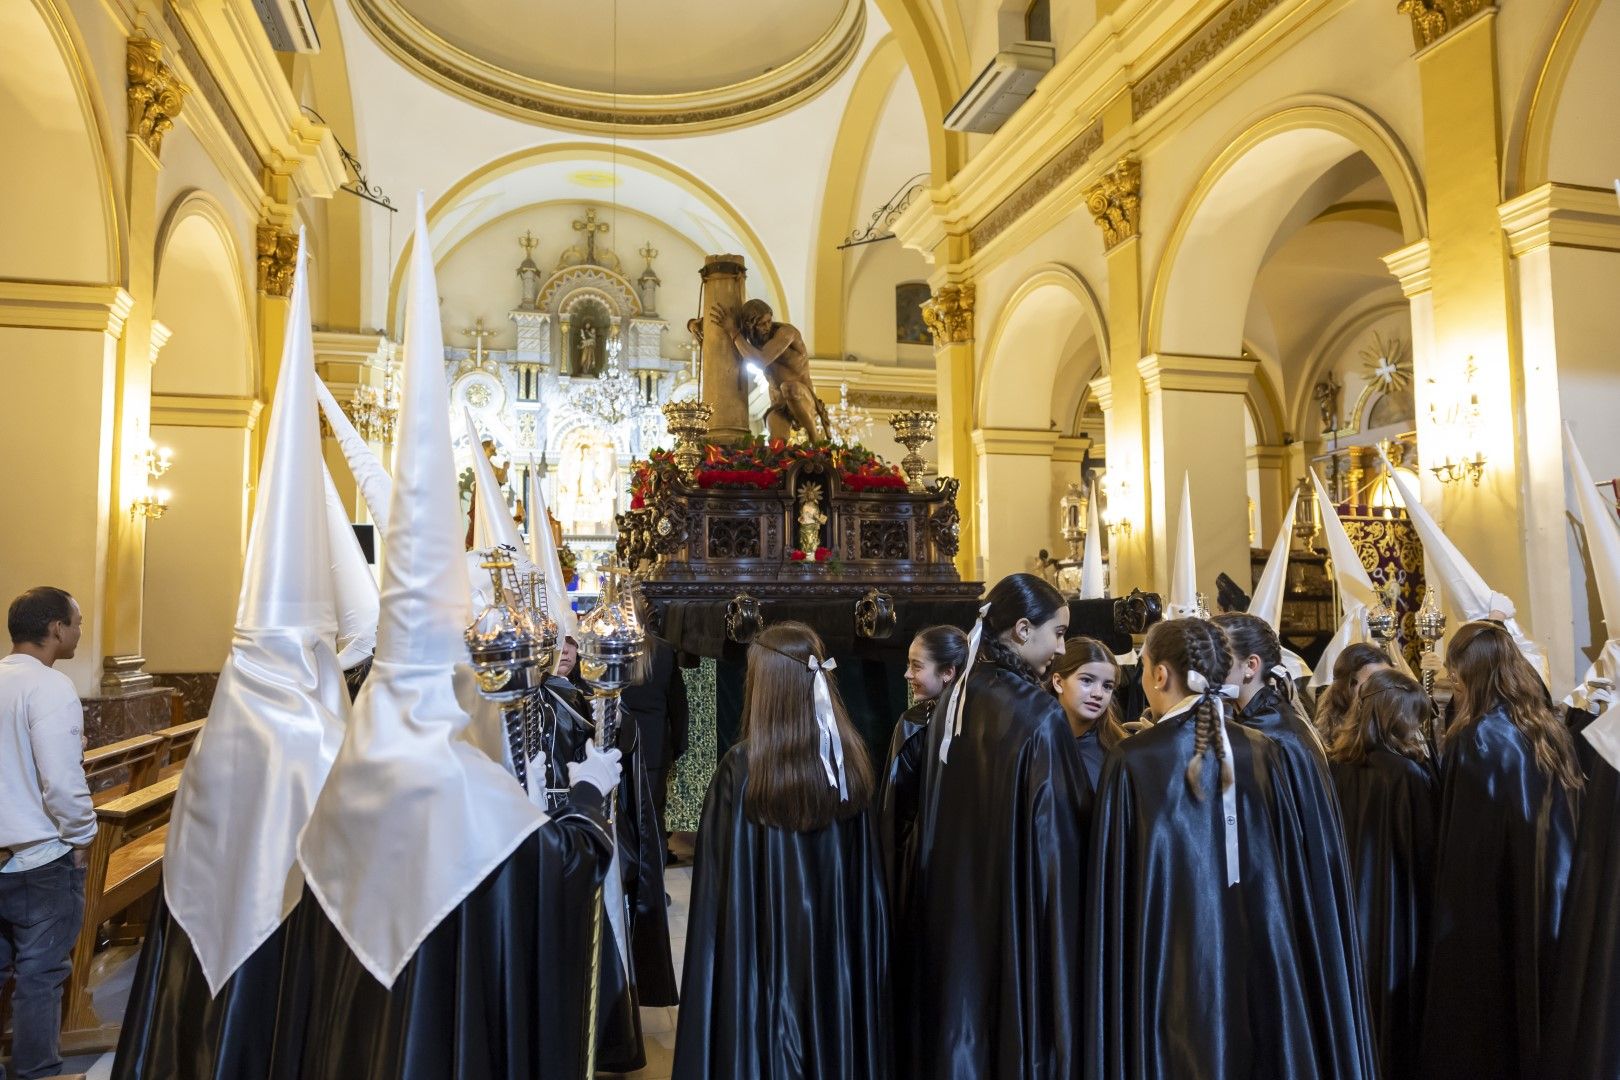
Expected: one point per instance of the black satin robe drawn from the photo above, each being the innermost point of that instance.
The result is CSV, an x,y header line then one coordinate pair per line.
x,y
647,977
998,893
898,798
1583,1026
787,947
497,991
1390,806
1188,977
1502,862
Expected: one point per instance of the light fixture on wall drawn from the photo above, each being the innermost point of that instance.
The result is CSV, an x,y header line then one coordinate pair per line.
x,y
1458,429
152,502
1116,517
374,410
156,459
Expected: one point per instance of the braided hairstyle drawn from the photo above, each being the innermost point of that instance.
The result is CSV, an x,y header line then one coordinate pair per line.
x,y
1185,646
1250,635
1017,596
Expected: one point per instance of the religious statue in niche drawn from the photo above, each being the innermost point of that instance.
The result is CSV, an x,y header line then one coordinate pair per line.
x,y
528,273
779,349
1326,394
811,517
585,354
586,483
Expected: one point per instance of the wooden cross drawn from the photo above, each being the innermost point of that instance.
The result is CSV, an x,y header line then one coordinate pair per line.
x,y
590,227
478,334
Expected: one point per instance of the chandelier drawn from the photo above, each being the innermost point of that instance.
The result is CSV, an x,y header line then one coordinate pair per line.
x,y
613,397
373,410
847,424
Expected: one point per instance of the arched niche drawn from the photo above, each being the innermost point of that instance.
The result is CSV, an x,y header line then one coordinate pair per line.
x,y
58,214
203,408
1569,132
1051,319
1227,228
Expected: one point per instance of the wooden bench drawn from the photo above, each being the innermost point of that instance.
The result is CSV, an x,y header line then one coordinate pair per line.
x,y
125,865
178,741
119,768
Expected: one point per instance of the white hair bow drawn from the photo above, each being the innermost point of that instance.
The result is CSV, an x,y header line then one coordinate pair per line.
x,y
1198,684
832,747
956,704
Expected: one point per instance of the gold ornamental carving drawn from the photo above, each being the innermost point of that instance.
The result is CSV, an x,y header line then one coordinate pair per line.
x,y
1194,54
1434,19
1116,202
949,315
1047,179
155,94
278,255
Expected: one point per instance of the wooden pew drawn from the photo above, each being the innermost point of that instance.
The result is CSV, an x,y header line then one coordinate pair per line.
x,y
178,740
125,864
140,756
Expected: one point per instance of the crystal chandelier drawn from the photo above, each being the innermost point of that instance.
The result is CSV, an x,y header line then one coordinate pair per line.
x,y
613,397
374,411
847,424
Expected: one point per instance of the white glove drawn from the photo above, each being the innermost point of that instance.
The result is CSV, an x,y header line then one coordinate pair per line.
x,y
1600,695
600,769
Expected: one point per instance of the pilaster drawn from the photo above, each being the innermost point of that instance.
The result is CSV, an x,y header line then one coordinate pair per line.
x,y
949,315
1016,512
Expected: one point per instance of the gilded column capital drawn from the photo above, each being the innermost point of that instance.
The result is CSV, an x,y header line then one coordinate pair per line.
x,y
278,254
155,93
1434,19
1115,201
949,315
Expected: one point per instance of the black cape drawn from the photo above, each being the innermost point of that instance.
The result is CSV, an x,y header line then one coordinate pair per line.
x,y
787,947
497,991
1390,804
1000,883
1186,976
898,797
1583,1026
1502,860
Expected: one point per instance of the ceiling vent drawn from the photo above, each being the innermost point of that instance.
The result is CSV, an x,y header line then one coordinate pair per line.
x,y
1001,87
289,25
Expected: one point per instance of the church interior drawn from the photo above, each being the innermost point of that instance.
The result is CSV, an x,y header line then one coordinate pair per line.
x,y
1147,298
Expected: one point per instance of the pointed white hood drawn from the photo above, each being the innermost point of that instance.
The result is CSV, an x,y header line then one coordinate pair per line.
x,y
1183,600
1458,579
492,521
1091,566
543,552
1267,602
413,817
1603,549
373,480
1356,591
230,874
356,588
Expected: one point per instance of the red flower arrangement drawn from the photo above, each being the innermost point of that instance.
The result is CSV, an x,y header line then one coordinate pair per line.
x,y
873,482
761,463
823,554
797,556
724,478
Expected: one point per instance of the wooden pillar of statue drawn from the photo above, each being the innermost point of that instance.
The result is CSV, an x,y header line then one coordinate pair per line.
x,y
724,380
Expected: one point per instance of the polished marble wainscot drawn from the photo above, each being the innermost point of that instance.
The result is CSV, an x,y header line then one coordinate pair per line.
x,y
196,690
111,719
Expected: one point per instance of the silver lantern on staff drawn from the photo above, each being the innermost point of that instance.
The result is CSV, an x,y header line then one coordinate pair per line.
x,y
1431,627
513,647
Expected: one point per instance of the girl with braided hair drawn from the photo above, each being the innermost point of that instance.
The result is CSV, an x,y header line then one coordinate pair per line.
x,y
1388,796
996,906
1509,791
1207,952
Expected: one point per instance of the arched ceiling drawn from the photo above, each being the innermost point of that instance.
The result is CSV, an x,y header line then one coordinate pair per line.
x,y
636,65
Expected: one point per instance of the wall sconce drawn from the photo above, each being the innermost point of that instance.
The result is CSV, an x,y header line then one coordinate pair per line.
x,y
1462,423
151,504
1115,517
157,459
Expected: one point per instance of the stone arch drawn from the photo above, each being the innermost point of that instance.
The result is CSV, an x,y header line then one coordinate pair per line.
x,y
1023,351
929,52
1565,133
59,212
1224,229
204,407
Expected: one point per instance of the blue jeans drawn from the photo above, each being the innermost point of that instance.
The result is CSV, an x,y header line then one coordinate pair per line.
x,y
40,913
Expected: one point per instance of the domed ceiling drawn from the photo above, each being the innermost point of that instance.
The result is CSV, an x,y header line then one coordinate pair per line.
x,y
693,65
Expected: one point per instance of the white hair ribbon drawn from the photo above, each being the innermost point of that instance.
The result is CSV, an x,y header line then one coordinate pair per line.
x,y
956,704
832,747
1198,684
1282,672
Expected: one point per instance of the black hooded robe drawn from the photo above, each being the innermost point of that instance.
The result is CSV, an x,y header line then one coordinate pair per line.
x,y
1390,806
787,947
497,991
1186,975
1000,881
898,798
1502,860
1583,1026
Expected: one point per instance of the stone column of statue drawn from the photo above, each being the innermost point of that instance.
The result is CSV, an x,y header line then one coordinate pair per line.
x,y
778,348
723,379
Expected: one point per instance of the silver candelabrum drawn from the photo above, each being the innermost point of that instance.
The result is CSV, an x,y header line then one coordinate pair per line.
x,y
914,430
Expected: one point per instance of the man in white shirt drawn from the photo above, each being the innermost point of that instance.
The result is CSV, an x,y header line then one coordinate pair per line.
x,y
46,822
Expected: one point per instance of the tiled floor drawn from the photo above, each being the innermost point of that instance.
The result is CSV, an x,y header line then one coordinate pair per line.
x,y
116,967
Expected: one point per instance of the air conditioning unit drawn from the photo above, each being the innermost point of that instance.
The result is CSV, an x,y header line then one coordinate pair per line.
x,y
289,25
1001,87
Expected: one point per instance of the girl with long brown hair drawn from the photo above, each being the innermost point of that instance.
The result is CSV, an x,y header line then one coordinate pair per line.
x,y
1083,679
1350,669
789,924
1509,789
1209,951
1388,797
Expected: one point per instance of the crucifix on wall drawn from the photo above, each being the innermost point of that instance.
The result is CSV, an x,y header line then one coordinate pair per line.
x,y
478,334
590,227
